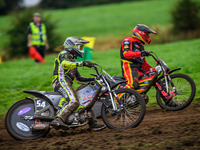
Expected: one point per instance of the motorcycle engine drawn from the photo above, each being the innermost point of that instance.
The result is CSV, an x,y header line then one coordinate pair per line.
x,y
82,118
76,118
70,118
131,100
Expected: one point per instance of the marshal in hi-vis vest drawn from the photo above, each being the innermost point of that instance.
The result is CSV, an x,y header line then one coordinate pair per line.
x,y
35,37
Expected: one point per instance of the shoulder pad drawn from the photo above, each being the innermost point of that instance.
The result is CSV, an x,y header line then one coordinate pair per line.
x,y
136,40
128,39
63,52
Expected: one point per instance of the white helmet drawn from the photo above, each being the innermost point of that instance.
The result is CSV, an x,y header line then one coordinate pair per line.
x,y
75,45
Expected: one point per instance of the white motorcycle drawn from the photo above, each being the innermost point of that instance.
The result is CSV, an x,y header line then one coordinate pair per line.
x,y
31,118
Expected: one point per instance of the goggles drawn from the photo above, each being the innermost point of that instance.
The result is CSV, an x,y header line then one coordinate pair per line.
x,y
80,47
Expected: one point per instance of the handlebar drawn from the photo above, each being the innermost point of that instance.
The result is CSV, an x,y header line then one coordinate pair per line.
x,y
95,68
151,54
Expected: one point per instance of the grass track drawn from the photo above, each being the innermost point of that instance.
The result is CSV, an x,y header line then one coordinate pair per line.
x,y
16,76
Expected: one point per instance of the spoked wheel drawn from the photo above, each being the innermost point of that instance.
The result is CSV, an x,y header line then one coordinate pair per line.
x,y
130,112
185,92
19,120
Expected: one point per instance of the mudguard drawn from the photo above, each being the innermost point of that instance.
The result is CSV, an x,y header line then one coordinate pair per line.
x,y
39,94
113,86
42,105
171,71
118,83
43,110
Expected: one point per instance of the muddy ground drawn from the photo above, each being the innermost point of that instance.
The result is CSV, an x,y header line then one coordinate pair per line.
x,y
159,130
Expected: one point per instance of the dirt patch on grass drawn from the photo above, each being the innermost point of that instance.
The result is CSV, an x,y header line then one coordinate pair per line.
x,y
159,130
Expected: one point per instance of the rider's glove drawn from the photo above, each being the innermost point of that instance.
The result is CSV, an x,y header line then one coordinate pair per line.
x,y
92,83
88,64
144,53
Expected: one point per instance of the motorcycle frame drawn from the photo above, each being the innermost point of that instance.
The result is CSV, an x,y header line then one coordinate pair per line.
x,y
166,76
52,109
109,90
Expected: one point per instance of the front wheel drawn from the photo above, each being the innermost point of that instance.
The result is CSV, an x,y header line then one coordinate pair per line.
x,y
130,112
19,119
185,92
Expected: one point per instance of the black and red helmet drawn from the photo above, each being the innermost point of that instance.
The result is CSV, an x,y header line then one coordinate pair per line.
x,y
142,32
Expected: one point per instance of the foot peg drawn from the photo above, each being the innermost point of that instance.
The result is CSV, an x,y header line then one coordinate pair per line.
x,y
146,98
58,123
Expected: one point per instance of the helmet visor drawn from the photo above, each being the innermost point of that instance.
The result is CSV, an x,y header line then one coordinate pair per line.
x,y
146,34
80,47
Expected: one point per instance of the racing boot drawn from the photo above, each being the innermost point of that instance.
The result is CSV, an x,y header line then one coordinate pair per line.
x,y
94,125
57,122
64,114
146,98
168,102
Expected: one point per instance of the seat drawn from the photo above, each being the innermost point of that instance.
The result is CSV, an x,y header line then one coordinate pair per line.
x,y
53,93
118,78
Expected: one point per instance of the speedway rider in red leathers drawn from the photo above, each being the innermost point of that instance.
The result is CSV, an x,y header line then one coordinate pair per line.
x,y
133,63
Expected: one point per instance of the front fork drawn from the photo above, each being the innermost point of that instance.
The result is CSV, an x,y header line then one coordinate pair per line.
x,y
113,99
111,93
168,93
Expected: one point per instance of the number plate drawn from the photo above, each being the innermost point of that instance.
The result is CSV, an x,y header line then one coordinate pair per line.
x,y
40,104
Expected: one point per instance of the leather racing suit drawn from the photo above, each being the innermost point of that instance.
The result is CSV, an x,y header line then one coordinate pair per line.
x,y
65,72
133,64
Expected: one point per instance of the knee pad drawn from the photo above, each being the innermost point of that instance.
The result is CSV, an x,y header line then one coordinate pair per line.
x,y
74,106
135,84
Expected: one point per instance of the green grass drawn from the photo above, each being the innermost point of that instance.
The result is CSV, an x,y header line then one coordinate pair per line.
x,y
104,20
113,19
16,76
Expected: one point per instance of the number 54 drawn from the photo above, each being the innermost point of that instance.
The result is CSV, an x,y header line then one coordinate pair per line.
x,y
40,104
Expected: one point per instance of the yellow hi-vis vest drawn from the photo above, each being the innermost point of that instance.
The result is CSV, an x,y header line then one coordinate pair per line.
x,y
35,36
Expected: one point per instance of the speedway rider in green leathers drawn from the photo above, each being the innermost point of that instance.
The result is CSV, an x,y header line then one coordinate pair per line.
x,y
65,72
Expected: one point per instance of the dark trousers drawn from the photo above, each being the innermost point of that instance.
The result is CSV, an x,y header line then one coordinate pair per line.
x,y
41,50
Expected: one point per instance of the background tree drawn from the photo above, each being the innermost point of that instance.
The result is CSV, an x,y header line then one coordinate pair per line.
x,y
52,4
9,5
17,45
185,16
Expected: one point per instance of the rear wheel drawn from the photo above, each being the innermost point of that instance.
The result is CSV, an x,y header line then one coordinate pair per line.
x,y
185,92
130,112
19,120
